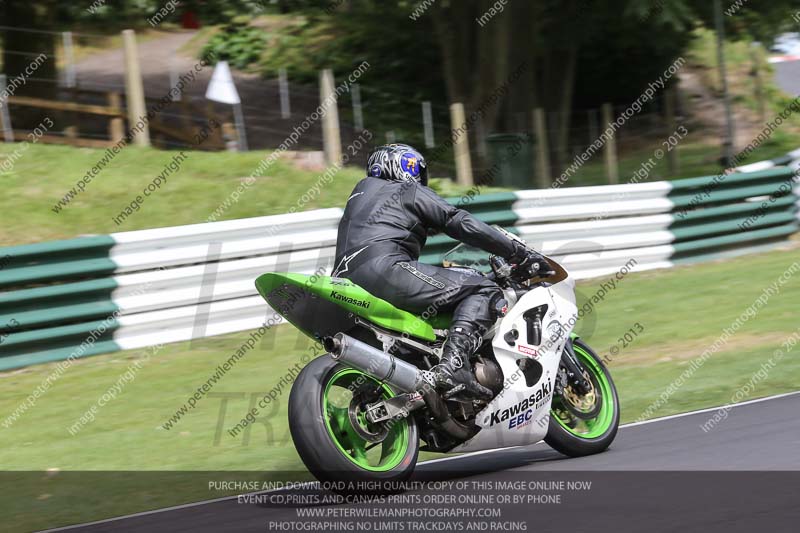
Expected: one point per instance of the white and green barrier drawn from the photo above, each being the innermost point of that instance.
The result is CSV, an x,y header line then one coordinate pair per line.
x,y
92,295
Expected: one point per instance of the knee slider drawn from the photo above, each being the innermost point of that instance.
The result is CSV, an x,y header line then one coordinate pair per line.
x,y
498,305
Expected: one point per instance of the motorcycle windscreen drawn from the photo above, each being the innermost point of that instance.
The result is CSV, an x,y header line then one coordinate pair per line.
x,y
560,273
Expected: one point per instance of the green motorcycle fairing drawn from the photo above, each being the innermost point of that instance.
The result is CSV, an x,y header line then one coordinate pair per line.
x,y
322,306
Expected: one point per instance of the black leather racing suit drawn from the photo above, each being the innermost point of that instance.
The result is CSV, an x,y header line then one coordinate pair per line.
x,y
381,234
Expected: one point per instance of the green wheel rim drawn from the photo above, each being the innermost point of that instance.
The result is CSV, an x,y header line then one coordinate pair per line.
x,y
597,426
379,458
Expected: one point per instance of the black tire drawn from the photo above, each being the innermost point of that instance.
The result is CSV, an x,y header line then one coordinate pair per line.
x,y
566,442
314,442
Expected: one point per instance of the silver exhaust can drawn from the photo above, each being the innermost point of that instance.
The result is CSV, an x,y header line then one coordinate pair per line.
x,y
380,365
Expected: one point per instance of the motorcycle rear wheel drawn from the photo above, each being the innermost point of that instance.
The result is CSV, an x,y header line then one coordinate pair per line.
x,y
331,434
593,432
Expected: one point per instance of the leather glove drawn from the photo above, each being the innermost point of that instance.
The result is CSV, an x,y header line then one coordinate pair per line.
x,y
530,262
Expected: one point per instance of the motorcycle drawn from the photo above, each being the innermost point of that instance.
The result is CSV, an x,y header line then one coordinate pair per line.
x,y
364,411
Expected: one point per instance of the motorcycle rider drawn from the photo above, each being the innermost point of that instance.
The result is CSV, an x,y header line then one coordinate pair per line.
x,y
386,222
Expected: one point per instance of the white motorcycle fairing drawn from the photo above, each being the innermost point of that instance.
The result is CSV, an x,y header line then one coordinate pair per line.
x,y
520,414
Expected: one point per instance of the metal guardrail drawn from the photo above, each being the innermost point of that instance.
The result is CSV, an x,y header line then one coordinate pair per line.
x,y
91,295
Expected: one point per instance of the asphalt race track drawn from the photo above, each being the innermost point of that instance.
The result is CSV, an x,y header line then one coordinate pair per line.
x,y
662,475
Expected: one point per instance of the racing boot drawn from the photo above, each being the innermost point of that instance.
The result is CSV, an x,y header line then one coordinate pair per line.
x,y
454,373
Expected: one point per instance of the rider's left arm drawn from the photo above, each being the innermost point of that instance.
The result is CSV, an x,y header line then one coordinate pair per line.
x,y
459,224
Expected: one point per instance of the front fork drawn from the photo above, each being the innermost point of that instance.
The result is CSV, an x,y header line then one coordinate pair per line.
x,y
576,375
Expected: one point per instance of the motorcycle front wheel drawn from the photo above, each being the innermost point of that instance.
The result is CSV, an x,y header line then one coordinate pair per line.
x,y
585,424
332,435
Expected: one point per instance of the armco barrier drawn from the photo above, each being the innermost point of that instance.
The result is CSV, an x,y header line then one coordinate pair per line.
x,y
140,288
92,295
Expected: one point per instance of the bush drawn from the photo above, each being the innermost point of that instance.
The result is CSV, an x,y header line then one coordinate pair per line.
x,y
238,44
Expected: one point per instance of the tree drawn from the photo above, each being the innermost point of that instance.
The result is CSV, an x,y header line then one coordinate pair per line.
x,y
571,50
576,52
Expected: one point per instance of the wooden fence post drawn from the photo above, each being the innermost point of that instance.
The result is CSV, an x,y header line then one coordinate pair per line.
x,y
134,90
358,110
427,124
174,78
116,126
70,77
612,164
5,116
331,136
482,149
283,89
460,135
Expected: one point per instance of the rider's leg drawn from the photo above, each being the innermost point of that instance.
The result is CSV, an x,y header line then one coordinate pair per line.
x,y
427,290
473,316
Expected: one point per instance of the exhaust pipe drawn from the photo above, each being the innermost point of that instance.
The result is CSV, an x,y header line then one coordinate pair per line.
x,y
375,363
399,374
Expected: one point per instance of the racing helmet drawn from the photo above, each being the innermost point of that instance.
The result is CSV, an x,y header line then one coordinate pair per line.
x,y
397,162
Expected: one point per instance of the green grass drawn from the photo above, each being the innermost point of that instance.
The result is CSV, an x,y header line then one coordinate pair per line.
x,y
43,174
682,310
697,157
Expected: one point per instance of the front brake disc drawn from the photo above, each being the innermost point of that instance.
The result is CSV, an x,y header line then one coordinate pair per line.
x,y
583,406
